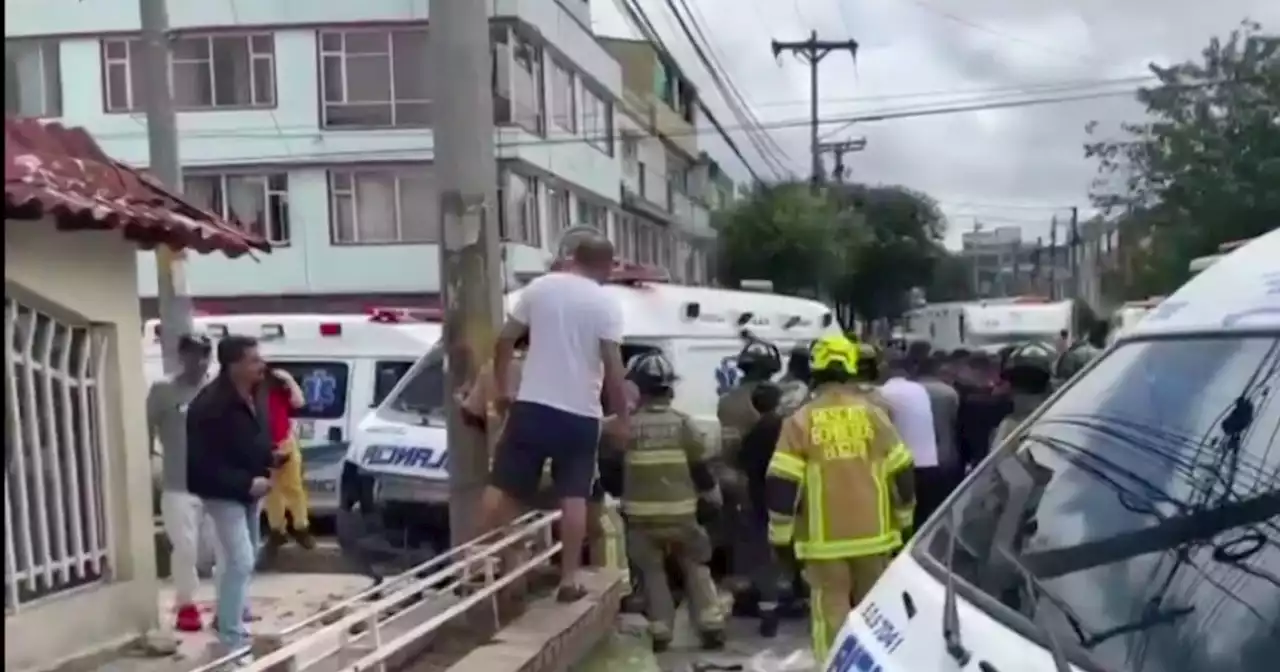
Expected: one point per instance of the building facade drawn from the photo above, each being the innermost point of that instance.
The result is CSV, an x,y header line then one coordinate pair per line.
x,y
311,122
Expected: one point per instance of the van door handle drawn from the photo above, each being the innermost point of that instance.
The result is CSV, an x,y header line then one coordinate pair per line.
x,y
335,434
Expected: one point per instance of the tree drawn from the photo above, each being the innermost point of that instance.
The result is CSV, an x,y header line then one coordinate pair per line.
x,y
784,234
899,249
1201,170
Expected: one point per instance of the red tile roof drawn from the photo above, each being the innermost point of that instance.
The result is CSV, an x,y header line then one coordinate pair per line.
x,y
61,173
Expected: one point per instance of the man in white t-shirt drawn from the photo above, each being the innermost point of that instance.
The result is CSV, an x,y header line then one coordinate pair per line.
x,y
912,413
575,333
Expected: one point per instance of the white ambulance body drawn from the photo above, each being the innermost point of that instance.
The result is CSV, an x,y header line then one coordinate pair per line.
x,y
1131,523
400,449
990,327
346,365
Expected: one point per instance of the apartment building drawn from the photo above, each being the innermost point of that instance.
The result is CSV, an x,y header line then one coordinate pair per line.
x,y
311,123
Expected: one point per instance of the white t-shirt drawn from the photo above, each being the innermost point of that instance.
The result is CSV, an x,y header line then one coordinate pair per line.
x,y
912,415
567,315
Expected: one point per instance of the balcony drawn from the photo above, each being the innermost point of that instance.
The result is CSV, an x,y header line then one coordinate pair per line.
x,y
669,124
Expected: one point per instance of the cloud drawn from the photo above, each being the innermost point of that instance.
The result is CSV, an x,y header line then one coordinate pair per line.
x,y
1010,167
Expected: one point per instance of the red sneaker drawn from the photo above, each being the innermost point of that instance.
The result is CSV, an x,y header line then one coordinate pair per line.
x,y
188,619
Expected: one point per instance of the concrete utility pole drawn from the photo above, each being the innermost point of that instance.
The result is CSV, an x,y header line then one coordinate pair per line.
x,y
162,145
839,149
812,51
1075,250
1053,259
470,258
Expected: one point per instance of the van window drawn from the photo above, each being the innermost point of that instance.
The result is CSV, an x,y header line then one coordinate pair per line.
x,y
386,374
421,391
324,386
1127,503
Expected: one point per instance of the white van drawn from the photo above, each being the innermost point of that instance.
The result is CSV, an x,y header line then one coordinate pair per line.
x,y
399,451
346,365
1132,524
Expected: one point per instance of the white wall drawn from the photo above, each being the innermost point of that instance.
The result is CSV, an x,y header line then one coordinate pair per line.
x,y
91,274
289,135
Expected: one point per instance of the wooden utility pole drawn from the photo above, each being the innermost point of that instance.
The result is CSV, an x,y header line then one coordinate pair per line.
x,y
812,51
162,148
470,258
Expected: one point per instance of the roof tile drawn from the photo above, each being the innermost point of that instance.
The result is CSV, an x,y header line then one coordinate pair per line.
x,y
61,173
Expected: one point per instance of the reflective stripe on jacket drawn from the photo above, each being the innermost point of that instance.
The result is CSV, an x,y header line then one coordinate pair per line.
x,y
658,483
837,456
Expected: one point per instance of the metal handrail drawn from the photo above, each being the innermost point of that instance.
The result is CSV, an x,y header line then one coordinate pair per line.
x,y
377,615
401,586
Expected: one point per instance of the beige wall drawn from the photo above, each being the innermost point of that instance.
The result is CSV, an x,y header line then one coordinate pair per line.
x,y
92,275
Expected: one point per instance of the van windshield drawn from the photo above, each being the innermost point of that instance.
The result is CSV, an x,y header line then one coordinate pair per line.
x,y
421,393
1138,518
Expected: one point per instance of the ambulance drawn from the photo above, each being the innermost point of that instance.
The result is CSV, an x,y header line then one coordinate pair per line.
x,y
345,364
398,459
1131,524
993,323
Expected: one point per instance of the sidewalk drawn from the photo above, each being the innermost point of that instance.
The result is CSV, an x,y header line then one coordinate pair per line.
x,y
276,601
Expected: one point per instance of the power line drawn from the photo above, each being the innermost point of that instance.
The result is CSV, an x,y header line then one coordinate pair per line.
x,y
636,13
955,18
846,120
1029,88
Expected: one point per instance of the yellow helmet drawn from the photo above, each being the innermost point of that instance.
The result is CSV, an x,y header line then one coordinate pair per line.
x,y
834,351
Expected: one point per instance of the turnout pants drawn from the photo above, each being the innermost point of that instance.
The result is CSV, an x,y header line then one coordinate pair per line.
x,y
650,544
288,495
835,587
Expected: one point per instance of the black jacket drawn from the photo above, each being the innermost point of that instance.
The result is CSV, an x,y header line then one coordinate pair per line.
x,y
228,444
754,456
981,411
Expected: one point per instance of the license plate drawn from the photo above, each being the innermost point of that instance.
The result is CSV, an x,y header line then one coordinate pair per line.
x,y
305,429
322,487
415,490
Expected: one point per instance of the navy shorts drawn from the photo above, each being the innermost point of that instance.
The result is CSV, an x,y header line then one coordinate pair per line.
x,y
535,434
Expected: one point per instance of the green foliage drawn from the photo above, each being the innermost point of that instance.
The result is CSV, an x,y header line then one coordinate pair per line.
x,y
863,246
1202,169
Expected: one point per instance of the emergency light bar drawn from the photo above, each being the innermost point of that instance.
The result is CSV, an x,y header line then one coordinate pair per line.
x,y
396,314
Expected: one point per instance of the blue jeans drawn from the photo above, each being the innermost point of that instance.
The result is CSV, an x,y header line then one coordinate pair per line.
x,y
235,525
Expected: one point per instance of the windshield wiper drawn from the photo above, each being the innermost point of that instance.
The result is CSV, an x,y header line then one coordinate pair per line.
x,y
1035,589
950,613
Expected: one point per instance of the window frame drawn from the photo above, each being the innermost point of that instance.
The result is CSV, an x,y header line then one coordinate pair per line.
x,y
275,198
520,223
398,175
343,54
132,64
49,55
558,116
599,134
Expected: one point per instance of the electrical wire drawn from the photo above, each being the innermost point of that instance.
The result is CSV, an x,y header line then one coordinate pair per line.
x,y
1029,88
973,25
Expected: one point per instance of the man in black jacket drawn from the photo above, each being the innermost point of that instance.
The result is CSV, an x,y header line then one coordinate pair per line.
x,y
753,460
228,466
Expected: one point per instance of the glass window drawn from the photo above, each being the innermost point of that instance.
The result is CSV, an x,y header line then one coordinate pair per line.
x,y
260,203
386,375
420,395
383,206
206,72
32,78
564,110
324,386
375,79
1127,503
597,121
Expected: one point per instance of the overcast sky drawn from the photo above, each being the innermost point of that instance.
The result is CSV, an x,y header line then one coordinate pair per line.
x,y
1011,167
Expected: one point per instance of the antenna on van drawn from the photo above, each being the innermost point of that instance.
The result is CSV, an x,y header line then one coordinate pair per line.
x,y
764,286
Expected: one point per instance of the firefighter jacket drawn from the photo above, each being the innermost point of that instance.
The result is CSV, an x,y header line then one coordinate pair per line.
x,y
664,468
831,482
737,416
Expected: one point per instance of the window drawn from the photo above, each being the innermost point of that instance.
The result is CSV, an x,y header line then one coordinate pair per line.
x,y
630,147
32,78
521,222
380,206
593,215
375,79
564,105
597,121
1117,519
517,81
557,211
324,386
206,72
259,202
385,376
421,393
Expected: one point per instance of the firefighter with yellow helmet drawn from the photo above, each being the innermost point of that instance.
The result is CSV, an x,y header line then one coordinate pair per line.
x,y
835,488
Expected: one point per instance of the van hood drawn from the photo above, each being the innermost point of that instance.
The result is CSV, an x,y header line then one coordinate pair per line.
x,y
380,446
898,628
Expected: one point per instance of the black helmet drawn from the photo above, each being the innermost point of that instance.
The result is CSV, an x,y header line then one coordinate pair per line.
x,y
651,372
1074,360
759,360
798,362
1028,367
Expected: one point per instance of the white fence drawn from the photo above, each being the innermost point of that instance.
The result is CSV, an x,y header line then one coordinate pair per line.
x,y
385,612
56,534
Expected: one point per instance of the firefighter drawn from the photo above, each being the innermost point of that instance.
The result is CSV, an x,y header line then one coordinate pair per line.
x,y
834,458
1073,361
1028,373
665,473
758,362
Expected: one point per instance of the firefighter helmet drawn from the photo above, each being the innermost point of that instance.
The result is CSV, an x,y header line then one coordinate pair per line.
x,y
759,359
1028,367
834,353
651,372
